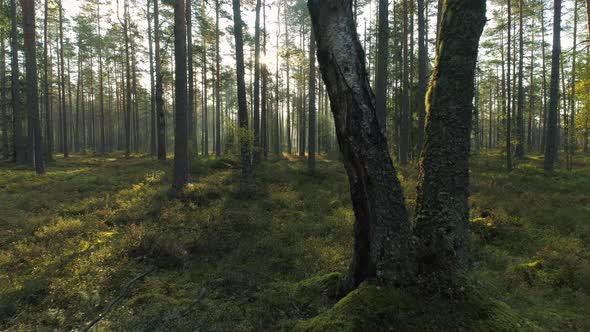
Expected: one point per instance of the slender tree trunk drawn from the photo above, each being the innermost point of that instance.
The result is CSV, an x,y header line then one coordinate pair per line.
x,y
422,75
64,111
46,94
19,147
405,123
551,143
264,92
382,229
153,138
509,92
28,7
519,149
382,64
287,60
217,83
4,112
241,85
191,80
312,109
442,211
181,130
572,120
161,124
543,65
256,119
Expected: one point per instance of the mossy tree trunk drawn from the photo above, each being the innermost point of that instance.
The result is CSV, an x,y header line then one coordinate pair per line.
x,y
442,212
181,129
382,229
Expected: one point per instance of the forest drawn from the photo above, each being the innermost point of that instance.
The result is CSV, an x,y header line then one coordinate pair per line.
x,y
294,165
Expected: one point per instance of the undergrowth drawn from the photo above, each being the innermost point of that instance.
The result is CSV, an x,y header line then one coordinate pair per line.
x,y
268,253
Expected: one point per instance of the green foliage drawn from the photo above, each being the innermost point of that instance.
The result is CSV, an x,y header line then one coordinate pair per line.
x,y
270,253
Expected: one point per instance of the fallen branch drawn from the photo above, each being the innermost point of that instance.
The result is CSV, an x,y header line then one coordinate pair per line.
x,y
117,299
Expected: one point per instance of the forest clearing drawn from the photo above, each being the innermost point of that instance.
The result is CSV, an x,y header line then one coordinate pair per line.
x,y
295,165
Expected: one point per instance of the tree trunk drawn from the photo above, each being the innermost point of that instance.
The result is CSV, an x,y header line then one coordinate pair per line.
x,y
242,104
382,229
551,141
405,131
181,130
217,83
264,92
191,80
442,211
256,119
4,112
422,75
312,109
152,89
287,65
28,7
382,65
48,123
519,149
509,92
19,148
161,125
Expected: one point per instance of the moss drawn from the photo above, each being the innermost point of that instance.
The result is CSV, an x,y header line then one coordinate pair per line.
x,y
374,308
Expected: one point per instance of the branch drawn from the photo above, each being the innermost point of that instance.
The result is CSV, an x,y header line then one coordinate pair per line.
x,y
118,298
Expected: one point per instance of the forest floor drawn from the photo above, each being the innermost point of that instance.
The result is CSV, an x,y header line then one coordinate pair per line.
x,y
104,235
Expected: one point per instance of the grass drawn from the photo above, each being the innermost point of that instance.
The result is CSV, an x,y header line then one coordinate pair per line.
x,y
265,254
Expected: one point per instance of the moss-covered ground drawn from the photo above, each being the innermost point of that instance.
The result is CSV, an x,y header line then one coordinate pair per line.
x,y
268,254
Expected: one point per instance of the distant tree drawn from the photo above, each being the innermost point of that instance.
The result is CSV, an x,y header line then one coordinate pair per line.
x,y
519,148
62,80
28,7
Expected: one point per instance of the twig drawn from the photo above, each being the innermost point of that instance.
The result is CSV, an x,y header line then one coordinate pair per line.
x,y
184,312
117,299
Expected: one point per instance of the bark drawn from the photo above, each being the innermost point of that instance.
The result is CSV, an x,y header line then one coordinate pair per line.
x,y
241,86
181,130
28,7
382,65
19,147
161,124
551,141
442,211
289,138
382,229
256,119
101,110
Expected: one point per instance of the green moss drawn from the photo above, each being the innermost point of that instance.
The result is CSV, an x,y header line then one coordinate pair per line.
x,y
373,308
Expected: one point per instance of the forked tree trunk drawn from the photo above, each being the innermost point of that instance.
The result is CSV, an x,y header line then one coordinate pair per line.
x,y
382,230
442,212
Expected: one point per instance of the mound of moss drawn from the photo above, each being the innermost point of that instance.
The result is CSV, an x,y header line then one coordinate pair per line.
x,y
374,308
